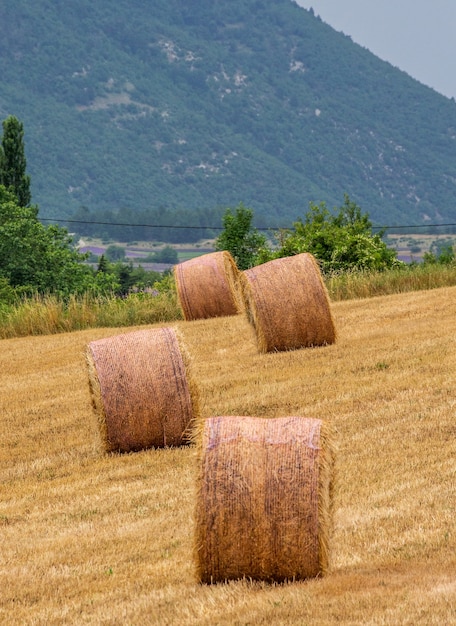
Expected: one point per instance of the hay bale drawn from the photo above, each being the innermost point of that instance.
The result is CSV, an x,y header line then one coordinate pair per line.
x,y
264,499
207,286
287,303
141,389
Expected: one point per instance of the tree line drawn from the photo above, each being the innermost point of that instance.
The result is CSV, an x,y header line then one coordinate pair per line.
x,y
44,259
342,240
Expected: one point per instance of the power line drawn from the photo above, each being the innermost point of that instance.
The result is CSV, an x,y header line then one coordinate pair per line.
x,y
176,227
48,219
414,226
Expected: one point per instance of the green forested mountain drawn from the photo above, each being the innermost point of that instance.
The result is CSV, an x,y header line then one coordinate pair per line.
x,y
170,111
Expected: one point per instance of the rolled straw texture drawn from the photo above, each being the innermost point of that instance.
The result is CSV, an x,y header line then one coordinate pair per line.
x,y
264,499
287,303
142,391
207,286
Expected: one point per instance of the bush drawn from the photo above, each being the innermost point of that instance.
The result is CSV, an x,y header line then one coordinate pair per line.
x,y
442,254
166,255
115,253
341,241
239,238
7,294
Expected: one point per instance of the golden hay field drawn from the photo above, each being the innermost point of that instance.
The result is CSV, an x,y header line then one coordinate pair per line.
x,y
88,538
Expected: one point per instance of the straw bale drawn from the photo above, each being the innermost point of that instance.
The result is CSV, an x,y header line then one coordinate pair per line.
x,y
207,286
287,303
264,499
142,390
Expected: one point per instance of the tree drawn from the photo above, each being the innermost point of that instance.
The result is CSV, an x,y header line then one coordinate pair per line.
x,y
441,253
239,238
35,258
13,162
167,254
103,265
115,252
125,277
340,241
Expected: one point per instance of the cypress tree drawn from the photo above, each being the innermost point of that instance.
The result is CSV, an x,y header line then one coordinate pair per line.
x,y
103,265
13,162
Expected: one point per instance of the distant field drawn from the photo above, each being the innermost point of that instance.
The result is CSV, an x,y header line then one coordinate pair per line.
x,y
88,538
136,251
408,247
413,247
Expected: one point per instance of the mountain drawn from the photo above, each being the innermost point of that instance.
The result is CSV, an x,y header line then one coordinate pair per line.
x,y
172,111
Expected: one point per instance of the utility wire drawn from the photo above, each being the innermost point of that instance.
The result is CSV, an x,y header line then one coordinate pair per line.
x,y
174,226
48,219
414,226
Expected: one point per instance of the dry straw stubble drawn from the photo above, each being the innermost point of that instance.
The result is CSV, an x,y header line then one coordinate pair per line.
x,y
207,286
142,389
264,501
287,303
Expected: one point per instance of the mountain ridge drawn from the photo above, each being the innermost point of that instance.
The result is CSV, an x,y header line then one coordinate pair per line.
x,y
139,112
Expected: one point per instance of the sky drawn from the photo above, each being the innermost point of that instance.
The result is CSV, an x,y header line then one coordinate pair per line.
x,y
417,36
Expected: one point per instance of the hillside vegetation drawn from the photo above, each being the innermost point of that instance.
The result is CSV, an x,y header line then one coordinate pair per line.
x,y
94,539
164,113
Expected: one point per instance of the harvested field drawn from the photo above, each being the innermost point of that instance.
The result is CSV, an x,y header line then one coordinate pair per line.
x,y
90,538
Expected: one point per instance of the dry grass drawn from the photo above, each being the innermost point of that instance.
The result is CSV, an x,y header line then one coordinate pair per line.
x,y
94,539
359,284
43,315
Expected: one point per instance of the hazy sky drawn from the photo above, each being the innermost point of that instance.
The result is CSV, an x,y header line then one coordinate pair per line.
x,y
417,36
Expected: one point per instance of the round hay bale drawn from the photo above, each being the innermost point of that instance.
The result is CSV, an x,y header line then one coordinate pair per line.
x,y
287,303
264,499
141,389
207,286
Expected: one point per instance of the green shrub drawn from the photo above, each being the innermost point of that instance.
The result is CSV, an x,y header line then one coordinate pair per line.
x,y
341,242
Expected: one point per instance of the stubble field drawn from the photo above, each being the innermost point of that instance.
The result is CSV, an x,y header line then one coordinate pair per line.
x,y
89,538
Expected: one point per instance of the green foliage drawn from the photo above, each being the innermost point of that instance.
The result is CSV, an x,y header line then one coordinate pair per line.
x,y
115,252
103,265
440,254
341,241
239,237
7,293
167,254
166,283
120,279
124,273
259,101
13,162
35,258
